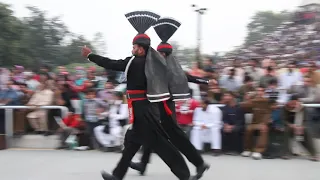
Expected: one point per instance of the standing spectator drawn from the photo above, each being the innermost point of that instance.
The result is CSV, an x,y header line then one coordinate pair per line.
x,y
196,70
231,82
207,122
264,81
18,75
9,96
246,88
295,117
254,71
38,118
233,125
307,93
314,74
215,93
184,113
32,84
4,78
239,72
261,110
290,77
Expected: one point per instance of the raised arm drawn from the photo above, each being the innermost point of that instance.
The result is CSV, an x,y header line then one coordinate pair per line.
x,y
197,80
107,63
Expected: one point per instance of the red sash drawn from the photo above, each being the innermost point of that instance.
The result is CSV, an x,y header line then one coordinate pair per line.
x,y
134,95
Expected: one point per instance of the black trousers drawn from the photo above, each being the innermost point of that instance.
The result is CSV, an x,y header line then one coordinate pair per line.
x,y
233,141
177,136
147,131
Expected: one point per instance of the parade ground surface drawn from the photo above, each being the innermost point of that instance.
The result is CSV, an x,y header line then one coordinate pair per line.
x,y
86,165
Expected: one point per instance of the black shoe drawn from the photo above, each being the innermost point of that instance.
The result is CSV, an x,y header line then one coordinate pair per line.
x,y
107,176
201,169
138,167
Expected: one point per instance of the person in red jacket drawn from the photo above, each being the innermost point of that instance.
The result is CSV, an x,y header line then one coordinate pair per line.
x,y
69,125
184,113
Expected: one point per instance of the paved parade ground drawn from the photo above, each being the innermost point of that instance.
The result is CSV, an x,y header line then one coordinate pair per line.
x,y
75,165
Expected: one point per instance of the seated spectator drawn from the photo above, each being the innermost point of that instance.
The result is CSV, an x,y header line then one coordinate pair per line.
x,y
93,107
110,134
9,96
207,123
233,125
184,113
261,110
294,116
38,118
71,126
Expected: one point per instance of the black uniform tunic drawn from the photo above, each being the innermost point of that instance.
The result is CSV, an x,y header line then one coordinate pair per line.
x,y
176,134
147,129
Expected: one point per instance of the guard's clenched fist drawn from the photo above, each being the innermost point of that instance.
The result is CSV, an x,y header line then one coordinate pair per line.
x,y
85,51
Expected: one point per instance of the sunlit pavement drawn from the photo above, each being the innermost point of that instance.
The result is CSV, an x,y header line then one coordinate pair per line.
x,y
75,165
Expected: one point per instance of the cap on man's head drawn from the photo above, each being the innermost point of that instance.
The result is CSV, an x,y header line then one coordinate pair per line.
x,y
165,28
142,21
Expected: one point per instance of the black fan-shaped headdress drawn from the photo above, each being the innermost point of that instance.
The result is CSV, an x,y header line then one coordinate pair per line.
x,y
142,21
165,28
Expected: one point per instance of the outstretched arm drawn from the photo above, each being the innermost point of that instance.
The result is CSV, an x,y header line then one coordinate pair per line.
x,y
107,63
197,80
116,65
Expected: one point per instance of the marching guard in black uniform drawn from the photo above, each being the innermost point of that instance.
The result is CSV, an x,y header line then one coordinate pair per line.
x,y
147,88
178,86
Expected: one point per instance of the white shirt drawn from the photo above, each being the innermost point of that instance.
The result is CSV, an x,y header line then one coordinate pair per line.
x,y
287,80
117,112
211,117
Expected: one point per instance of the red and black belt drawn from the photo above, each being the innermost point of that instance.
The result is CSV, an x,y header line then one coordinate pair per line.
x,y
139,95
134,95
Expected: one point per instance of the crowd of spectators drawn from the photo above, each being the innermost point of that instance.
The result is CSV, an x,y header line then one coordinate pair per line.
x,y
255,108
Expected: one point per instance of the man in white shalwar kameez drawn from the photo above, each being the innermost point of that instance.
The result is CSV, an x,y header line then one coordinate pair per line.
x,y
117,112
207,124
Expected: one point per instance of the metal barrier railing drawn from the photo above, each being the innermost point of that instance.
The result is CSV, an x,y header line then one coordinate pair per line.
x,y
64,113
9,118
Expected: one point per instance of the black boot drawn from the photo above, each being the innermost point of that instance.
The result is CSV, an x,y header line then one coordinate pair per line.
x,y
107,176
201,169
139,167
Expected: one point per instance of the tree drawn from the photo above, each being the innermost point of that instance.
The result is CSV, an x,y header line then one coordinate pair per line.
x,y
11,31
265,22
43,36
37,39
99,43
72,51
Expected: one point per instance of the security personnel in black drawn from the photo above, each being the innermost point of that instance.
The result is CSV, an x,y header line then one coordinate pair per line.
x,y
144,98
165,28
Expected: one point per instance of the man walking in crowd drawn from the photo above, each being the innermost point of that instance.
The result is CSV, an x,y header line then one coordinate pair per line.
x,y
178,85
144,70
